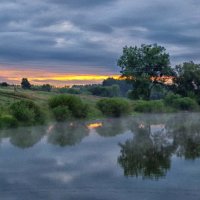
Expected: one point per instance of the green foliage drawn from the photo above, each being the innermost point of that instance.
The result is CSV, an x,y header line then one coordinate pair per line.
x,y
170,98
185,103
149,106
27,112
75,105
140,64
147,59
124,86
8,121
141,89
158,92
105,91
188,79
61,113
181,103
94,112
114,107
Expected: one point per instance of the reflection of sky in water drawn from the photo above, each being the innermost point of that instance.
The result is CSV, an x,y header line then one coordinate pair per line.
x,y
89,170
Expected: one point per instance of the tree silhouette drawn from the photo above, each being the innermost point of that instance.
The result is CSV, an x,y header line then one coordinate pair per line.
x,y
25,83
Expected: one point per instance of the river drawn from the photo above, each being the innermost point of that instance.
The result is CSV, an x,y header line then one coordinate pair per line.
x,y
143,157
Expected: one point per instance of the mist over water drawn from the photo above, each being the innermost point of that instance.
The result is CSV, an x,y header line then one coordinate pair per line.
x,y
149,156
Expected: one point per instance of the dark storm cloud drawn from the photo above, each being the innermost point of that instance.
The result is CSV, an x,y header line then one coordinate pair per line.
x,y
92,33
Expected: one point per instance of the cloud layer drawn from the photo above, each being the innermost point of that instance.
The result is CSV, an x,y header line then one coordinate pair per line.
x,y
88,35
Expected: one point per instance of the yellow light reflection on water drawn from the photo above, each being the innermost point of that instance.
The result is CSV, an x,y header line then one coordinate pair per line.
x,y
94,125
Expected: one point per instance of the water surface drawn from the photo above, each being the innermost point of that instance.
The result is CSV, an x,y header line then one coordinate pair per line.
x,y
145,157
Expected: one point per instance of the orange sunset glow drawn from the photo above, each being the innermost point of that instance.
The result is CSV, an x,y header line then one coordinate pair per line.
x,y
39,77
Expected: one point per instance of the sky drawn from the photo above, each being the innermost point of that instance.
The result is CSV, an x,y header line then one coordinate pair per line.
x,y
79,41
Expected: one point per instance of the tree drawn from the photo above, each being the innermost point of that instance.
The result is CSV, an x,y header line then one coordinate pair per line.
x,y
25,83
105,91
144,67
4,84
124,86
187,82
46,87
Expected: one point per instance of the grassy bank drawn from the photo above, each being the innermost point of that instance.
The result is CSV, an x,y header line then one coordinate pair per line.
x,y
26,107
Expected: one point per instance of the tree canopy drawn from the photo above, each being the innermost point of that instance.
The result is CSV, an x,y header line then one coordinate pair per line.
x,y
144,66
187,81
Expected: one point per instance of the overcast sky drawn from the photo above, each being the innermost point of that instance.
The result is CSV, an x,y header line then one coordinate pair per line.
x,y
87,36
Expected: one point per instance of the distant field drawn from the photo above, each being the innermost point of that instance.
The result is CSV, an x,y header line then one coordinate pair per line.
x,y
9,95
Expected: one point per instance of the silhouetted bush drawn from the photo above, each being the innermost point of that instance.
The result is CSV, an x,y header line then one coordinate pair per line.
x,y
61,113
114,107
149,106
4,84
46,87
27,112
8,121
69,90
75,105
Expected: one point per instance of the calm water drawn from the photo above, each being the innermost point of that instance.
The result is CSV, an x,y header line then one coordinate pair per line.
x,y
147,157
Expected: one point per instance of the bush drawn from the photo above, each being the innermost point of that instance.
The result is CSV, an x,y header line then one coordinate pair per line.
x,y
185,103
61,113
170,98
75,105
149,106
181,103
114,107
8,121
27,112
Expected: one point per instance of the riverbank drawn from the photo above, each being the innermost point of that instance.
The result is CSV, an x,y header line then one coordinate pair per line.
x,y
26,107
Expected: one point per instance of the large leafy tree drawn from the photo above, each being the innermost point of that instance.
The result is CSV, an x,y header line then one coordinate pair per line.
x,y
187,81
144,66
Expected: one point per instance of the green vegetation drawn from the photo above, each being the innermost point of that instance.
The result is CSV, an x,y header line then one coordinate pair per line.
x,y
61,113
105,91
156,106
181,103
68,105
114,107
8,121
143,66
27,107
27,112
147,79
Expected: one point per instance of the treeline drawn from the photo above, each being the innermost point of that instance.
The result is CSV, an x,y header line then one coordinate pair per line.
x,y
146,74
109,88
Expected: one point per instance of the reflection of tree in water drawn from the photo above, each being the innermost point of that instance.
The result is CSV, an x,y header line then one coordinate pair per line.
x,y
147,155
111,127
64,134
2,135
26,137
186,133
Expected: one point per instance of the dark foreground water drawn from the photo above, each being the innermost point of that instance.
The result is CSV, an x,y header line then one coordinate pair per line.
x,y
147,157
